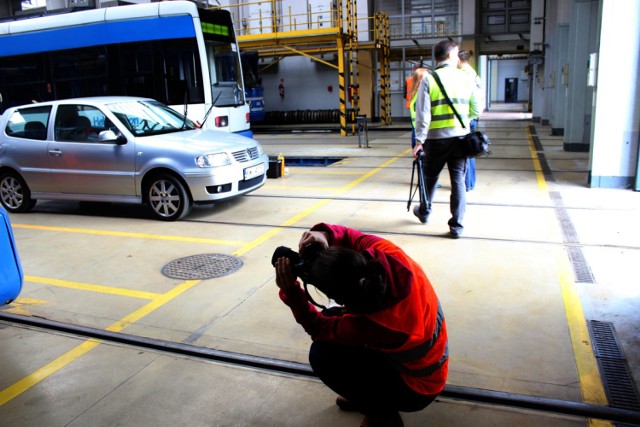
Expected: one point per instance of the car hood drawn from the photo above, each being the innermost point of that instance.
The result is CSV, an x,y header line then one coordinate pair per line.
x,y
204,140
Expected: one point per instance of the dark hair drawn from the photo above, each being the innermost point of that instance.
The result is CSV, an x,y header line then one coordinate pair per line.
x,y
350,279
442,49
464,55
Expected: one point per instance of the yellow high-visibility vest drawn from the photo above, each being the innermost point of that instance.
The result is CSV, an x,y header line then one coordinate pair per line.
x,y
459,90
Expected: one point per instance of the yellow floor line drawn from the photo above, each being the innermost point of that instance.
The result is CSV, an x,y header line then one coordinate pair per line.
x,y
323,171
158,300
542,183
591,387
93,288
299,216
125,234
49,369
590,380
289,187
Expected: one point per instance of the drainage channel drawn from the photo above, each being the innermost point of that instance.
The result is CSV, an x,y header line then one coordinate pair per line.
x,y
469,394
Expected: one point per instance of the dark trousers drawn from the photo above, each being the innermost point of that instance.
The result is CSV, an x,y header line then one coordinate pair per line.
x,y
365,378
438,153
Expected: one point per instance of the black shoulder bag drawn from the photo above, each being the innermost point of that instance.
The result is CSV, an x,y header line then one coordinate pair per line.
x,y
475,143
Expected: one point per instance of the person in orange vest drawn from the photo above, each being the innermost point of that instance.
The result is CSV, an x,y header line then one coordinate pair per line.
x,y
410,87
383,350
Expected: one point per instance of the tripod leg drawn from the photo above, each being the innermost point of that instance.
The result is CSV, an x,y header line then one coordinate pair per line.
x,y
411,194
424,200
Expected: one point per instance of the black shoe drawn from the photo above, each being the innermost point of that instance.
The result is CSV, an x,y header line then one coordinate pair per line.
x,y
420,216
455,234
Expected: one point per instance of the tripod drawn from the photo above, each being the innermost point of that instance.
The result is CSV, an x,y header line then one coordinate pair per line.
x,y
420,185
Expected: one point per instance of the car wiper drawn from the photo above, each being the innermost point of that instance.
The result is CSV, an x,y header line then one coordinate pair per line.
x,y
206,116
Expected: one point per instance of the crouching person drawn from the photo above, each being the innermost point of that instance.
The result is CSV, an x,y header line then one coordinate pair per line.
x,y
385,350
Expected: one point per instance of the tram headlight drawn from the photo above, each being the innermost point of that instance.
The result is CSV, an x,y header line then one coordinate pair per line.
x,y
213,160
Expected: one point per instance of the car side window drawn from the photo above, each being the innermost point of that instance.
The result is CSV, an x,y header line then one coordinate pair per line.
x,y
80,123
29,123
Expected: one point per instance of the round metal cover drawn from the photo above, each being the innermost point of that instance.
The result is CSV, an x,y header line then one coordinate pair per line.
x,y
206,266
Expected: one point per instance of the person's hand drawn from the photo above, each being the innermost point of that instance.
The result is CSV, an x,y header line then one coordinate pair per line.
x,y
310,237
285,279
417,149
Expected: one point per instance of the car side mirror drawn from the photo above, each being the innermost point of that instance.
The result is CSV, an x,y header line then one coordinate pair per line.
x,y
110,136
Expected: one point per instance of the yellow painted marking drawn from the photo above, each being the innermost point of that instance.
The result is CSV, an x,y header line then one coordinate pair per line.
x,y
590,381
322,171
319,204
49,369
152,306
19,306
28,301
542,184
125,234
93,288
288,187
157,300
591,386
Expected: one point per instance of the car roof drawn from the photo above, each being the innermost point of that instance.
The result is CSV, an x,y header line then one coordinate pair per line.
x,y
102,100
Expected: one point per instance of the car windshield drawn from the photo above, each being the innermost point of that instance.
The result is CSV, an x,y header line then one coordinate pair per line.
x,y
144,118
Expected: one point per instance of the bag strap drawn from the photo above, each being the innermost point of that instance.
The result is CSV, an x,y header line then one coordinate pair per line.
x,y
444,92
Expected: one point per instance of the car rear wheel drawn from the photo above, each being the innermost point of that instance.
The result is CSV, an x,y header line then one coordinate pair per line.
x,y
15,196
168,198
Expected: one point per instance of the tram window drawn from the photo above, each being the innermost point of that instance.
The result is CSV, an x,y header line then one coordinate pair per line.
x,y
22,69
80,63
138,78
183,73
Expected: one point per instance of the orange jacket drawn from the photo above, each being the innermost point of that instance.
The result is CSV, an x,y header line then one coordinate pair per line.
x,y
423,359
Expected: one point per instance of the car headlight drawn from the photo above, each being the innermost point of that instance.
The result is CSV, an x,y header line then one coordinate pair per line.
x,y
213,160
260,150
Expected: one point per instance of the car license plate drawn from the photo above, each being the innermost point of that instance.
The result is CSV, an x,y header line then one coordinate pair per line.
x,y
254,171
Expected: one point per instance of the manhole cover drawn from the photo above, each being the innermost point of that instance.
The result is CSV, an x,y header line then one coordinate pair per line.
x,y
206,266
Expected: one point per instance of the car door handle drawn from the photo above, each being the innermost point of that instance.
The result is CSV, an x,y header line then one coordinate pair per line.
x,y
56,152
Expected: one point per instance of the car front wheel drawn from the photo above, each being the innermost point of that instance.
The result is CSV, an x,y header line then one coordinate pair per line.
x,y
15,196
168,198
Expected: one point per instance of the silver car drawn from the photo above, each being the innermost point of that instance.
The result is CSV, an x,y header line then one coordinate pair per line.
x,y
121,149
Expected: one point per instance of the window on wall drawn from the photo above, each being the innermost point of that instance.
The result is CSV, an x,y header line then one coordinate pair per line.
x,y
508,16
420,18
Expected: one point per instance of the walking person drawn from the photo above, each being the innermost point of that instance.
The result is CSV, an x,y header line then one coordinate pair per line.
x,y
463,64
438,132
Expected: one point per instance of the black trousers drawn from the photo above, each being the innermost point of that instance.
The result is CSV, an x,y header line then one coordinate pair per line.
x,y
365,378
438,153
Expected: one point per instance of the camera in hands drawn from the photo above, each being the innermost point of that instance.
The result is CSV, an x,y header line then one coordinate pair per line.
x,y
300,264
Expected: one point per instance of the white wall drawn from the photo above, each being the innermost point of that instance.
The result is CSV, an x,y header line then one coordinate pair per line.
x,y
306,86
616,126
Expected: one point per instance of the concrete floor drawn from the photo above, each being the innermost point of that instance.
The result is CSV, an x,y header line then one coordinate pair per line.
x,y
514,305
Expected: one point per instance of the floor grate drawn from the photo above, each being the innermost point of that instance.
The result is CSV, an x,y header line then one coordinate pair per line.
x,y
206,266
618,382
581,268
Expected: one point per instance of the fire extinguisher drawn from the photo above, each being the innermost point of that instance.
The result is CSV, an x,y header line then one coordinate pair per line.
x,y
281,88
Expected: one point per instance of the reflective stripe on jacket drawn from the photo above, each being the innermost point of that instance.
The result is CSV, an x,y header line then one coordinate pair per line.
x,y
423,359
